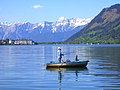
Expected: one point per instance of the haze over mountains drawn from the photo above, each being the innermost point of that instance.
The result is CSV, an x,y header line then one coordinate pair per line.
x,y
104,28
45,31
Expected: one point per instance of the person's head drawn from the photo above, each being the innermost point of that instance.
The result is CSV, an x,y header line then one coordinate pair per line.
x,y
59,48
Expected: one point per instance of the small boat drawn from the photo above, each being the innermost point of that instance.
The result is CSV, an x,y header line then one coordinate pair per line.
x,y
70,64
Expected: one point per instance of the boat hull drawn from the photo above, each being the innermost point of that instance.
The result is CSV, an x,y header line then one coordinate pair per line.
x,y
68,64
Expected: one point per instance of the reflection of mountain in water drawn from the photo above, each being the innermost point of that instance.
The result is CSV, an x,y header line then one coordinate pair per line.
x,y
107,54
62,71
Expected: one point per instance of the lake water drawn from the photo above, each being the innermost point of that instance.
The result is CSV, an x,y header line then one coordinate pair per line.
x,y
22,67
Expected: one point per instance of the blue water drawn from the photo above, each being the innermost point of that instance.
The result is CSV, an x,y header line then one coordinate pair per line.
x,y
22,67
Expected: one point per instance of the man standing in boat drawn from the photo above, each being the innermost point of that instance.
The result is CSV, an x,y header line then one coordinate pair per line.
x,y
59,54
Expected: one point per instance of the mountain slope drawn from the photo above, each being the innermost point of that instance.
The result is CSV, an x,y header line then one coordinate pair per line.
x,y
104,28
45,31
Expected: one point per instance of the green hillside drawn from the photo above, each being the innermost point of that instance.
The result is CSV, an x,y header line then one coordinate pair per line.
x,y
104,28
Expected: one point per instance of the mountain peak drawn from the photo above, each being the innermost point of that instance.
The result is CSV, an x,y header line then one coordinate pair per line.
x,y
117,6
5,23
73,21
114,8
61,18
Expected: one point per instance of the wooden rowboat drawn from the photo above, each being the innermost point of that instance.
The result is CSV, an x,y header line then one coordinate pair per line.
x,y
78,63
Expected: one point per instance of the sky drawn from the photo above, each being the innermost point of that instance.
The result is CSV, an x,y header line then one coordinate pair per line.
x,y
36,11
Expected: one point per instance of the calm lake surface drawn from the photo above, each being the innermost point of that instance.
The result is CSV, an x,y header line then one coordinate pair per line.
x,y
22,67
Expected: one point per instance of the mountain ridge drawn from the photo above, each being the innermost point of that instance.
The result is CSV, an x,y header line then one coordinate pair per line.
x,y
104,28
40,31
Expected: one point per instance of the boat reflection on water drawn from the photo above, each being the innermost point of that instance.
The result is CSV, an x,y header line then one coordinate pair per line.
x,y
67,69
62,71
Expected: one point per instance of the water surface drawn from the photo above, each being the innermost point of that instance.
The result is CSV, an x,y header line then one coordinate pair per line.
x,y
23,68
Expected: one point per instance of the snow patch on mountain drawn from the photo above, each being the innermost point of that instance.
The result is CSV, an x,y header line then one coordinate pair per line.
x,y
43,31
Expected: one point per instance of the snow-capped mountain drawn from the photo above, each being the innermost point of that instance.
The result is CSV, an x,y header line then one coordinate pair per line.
x,y
45,31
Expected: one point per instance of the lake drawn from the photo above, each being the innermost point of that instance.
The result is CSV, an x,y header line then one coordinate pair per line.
x,y
22,67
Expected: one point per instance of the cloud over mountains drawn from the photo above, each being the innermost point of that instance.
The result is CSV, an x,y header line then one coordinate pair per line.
x,y
37,6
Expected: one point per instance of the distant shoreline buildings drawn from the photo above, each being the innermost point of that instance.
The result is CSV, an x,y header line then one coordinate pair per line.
x,y
17,42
